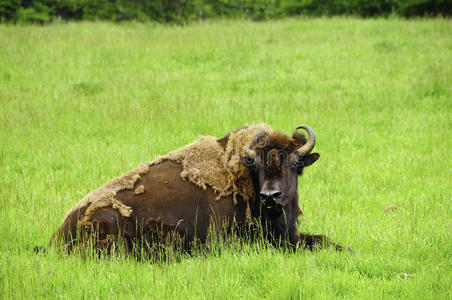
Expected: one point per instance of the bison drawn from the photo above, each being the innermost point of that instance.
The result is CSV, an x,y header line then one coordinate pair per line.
x,y
245,180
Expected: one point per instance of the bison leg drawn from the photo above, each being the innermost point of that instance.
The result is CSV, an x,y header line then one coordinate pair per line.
x,y
105,230
68,233
313,241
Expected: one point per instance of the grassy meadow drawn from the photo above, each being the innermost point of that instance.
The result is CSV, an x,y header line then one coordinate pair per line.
x,y
81,103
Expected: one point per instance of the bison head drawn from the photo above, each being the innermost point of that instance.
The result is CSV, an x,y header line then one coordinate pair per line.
x,y
275,161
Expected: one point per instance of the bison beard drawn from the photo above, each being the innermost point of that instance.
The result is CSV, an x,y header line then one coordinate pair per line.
x,y
243,181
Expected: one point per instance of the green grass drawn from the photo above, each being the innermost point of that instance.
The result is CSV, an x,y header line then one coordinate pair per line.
x,y
82,103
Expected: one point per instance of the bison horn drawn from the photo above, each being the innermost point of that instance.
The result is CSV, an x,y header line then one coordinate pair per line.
x,y
307,148
249,153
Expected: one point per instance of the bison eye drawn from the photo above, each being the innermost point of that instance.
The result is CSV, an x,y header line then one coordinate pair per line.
x,y
249,161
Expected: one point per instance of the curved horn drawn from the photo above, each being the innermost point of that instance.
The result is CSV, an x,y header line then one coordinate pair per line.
x,y
306,148
249,153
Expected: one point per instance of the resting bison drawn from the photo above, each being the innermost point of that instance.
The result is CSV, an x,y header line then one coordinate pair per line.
x,y
246,179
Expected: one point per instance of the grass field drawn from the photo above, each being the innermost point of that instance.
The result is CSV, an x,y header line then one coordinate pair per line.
x,y
83,103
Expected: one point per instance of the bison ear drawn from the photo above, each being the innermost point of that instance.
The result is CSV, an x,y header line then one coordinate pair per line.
x,y
306,161
310,159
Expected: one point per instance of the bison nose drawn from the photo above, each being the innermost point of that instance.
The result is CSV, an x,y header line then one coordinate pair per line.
x,y
269,198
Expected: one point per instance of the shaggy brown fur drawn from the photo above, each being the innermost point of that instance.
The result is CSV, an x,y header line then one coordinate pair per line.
x,y
272,144
205,162
280,141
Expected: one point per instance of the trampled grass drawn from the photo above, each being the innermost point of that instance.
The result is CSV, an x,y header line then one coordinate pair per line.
x,y
83,103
